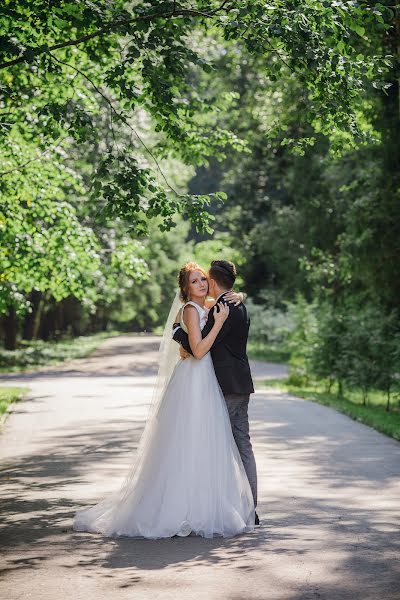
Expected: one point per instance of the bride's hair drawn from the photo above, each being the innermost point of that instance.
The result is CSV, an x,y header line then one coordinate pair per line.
x,y
183,278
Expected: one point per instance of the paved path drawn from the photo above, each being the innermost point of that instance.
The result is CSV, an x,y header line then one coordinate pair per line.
x,y
329,497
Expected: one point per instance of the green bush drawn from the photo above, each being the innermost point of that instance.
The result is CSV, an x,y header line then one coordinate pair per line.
x,y
357,346
269,324
328,358
302,337
270,328
371,349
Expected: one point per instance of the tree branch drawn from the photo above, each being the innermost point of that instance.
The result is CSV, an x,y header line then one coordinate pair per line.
x,y
119,115
44,49
33,52
220,7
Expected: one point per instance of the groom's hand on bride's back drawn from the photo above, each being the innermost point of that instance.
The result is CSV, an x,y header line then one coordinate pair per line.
x,y
181,338
183,353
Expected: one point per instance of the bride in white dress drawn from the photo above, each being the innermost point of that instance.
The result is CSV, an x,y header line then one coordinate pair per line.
x,y
187,475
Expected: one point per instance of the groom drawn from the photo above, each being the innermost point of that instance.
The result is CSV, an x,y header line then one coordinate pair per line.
x,y
230,363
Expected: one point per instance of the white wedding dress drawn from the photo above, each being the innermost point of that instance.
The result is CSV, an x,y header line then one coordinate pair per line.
x,y
188,477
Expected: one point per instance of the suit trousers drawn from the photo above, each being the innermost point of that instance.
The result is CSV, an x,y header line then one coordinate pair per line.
x,y
238,405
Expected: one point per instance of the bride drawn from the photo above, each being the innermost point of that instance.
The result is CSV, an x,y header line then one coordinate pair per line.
x,y
187,476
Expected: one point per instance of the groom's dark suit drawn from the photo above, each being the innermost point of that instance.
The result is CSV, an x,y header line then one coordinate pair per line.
x,y
232,369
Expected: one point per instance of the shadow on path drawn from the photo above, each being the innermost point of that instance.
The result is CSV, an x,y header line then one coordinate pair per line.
x,y
329,490
39,510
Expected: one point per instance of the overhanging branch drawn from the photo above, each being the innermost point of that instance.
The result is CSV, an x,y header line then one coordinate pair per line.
x,y
119,116
176,12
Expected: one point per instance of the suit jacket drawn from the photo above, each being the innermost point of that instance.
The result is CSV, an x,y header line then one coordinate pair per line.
x,y
228,352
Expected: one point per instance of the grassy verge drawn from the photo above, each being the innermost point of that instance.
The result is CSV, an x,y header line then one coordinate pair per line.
x,y
374,414
267,352
8,395
31,355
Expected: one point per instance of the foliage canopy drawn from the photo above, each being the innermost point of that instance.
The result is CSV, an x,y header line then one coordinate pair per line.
x,y
61,64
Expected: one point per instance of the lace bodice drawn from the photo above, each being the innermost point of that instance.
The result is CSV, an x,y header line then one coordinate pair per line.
x,y
203,314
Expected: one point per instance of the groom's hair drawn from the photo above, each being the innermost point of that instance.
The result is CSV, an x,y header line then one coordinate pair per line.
x,y
223,272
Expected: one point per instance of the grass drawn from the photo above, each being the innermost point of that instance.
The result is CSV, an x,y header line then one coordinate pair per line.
x,y
31,355
373,414
267,352
8,395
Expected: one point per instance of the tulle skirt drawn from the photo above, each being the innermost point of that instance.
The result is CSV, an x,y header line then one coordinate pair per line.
x,y
188,476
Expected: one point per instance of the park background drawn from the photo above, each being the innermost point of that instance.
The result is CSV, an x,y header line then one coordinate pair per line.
x,y
137,136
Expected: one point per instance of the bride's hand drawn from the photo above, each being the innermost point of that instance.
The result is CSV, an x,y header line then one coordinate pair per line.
x,y
221,314
234,298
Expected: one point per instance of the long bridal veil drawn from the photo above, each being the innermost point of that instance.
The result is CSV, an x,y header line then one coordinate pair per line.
x,y
167,360
101,516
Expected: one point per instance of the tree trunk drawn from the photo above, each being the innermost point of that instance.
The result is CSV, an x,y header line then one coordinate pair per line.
x,y
364,397
59,319
388,400
10,329
32,321
37,319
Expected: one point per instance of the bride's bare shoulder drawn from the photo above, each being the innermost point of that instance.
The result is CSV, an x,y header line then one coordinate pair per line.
x,y
191,314
190,309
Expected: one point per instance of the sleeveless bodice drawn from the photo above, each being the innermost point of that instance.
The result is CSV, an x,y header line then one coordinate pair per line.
x,y
203,314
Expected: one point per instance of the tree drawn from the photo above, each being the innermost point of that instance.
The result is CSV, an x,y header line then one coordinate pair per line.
x,y
60,62
46,252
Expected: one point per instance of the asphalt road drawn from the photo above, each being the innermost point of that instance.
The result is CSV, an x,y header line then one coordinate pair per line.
x,y
329,493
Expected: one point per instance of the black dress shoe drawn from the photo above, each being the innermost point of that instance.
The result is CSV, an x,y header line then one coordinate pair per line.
x,y
256,520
